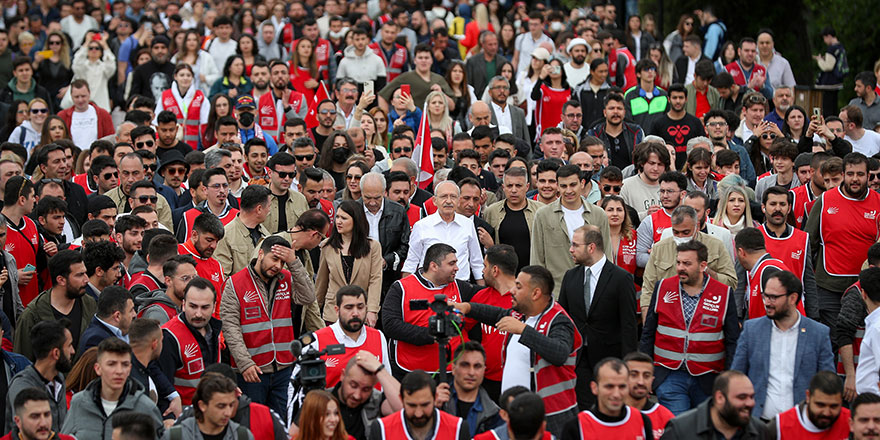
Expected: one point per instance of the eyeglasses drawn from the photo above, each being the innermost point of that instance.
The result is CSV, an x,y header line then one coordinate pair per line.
x,y
399,150
768,136
145,144
717,124
327,112
285,174
114,175
501,88
54,43
773,297
612,188
175,171
667,191
574,115
37,111
95,48
352,177
301,157
219,186
348,90
145,199
21,112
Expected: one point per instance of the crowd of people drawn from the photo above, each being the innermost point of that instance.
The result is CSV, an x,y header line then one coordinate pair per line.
x,y
330,220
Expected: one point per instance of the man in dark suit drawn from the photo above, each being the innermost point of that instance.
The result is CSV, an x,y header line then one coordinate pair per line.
x,y
388,224
608,325
506,117
113,318
478,74
693,53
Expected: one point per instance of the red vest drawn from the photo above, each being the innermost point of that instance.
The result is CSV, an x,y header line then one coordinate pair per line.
x,y
632,427
701,346
147,279
190,121
857,339
336,363
626,253
792,250
659,416
267,334
262,425
735,69
790,425
267,113
398,60
661,220
83,181
801,195
414,214
847,228
492,338
548,111
23,245
447,427
207,268
170,311
423,357
327,207
554,384
629,74
756,290
189,218
186,378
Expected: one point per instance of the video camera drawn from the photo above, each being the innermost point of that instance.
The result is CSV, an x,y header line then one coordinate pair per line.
x,y
312,371
445,324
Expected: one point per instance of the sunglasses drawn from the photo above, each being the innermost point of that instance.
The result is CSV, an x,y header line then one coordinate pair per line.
x,y
54,43
95,48
328,112
175,171
352,177
37,111
286,174
612,188
398,150
302,157
145,144
145,199
769,136
874,176
114,175
151,167
219,186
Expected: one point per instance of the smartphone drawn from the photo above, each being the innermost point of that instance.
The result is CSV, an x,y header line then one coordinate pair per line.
x,y
368,88
557,70
46,53
404,88
29,268
96,37
817,112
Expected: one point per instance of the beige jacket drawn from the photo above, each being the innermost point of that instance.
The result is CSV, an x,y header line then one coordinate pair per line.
x,y
551,243
162,206
296,205
367,273
494,214
234,251
230,310
661,264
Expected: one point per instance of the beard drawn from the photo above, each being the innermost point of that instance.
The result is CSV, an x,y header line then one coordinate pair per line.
x,y
74,293
64,364
730,414
821,422
262,85
352,325
579,60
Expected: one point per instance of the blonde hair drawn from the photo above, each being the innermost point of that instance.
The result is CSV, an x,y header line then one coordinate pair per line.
x,y
726,192
445,122
64,53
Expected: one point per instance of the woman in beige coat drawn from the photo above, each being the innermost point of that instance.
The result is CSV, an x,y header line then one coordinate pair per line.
x,y
349,256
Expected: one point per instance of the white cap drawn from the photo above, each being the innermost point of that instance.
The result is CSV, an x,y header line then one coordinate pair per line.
x,y
576,41
541,54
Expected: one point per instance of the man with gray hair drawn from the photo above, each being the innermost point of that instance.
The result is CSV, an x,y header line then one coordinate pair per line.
x,y
477,67
513,217
508,118
417,196
699,142
661,263
388,224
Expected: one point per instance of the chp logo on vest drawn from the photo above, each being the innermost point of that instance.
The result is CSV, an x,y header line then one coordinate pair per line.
x,y
251,296
215,277
191,350
331,362
197,101
168,102
832,210
796,255
871,215
670,296
195,366
660,230
712,304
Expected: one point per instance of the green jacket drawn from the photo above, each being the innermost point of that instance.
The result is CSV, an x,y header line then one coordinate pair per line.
x,y
641,110
551,243
494,214
40,309
712,96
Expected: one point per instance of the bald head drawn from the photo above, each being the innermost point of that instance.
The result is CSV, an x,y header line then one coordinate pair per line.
x,y
480,114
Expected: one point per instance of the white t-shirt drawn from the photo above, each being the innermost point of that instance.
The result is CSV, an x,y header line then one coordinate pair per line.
x,y
574,218
84,128
518,361
869,144
221,51
640,195
109,405
576,76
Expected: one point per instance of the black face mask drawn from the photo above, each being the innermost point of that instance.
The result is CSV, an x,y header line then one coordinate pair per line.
x,y
340,155
246,119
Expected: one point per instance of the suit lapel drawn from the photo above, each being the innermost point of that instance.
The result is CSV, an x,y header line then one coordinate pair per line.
x,y
764,343
799,351
356,266
599,290
335,262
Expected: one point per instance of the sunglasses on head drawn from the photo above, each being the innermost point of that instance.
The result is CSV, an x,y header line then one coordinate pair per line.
x,y
286,174
145,199
107,176
37,111
145,144
304,157
610,188
399,150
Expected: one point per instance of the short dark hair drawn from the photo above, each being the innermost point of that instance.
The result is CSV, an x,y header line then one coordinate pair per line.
x,y
143,130
314,219
112,299
164,117
469,346
790,282
614,363
415,381
253,196
750,240
134,425
675,177
726,157
866,398
352,290
638,356
504,257
208,223
645,64
210,384
541,278
722,80
162,248
142,329
128,222
866,278
508,395
30,394
705,69
283,159
99,163
827,382
722,381
16,187
784,148
436,253
201,284
569,170
611,173
696,246
526,415
874,254
48,205
103,254
46,336
482,132
273,240
678,88
95,228
59,264
169,268
776,190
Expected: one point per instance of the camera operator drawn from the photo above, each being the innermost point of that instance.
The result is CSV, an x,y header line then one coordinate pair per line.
x,y
414,347
466,398
541,338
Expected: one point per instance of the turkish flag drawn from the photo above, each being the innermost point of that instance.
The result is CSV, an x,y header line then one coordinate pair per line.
x,y
320,95
422,153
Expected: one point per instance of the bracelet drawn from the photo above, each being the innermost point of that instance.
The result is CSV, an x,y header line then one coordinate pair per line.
x,y
381,367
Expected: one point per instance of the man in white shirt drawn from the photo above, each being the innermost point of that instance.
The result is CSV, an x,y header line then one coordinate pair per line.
x,y
446,226
78,23
527,42
84,119
642,191
863,141
222,46
576,69
868,370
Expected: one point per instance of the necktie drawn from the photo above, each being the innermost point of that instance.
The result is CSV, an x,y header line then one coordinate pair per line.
x,y
587,278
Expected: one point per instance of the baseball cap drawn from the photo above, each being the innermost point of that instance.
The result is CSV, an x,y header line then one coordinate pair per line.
x,y
541,54
802,160
244,101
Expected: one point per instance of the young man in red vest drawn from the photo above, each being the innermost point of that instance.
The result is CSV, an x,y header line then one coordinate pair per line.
x,y
820,416
641,377
160,249
673,188
843,224
395,56
256,308
419,419
191,339
806,193
164,305
207,232
216,185
281,104
686,368
22,239
759,265
610,417
33,417
541,338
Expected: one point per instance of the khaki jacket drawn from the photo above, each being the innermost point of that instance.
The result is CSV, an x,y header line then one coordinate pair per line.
x,y
494,214
235,249
551,243
295,206
367,273
162,206
661,264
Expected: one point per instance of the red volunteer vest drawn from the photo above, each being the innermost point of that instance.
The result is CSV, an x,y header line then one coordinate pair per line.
x,y
336,363
632,427
790,425
395,65
262,425
492,435
659,416
267,113
447,427
548,112
701,345
800,197
83,181
207,268
847,228
792,250
147,279
189,218
423,357
756,290
736,70
661,220
857,340
626,253
629,74
186,378
267,334
190,120
23,244
492,338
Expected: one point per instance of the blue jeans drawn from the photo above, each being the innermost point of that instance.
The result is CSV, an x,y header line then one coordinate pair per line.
x,y
271,390
680,392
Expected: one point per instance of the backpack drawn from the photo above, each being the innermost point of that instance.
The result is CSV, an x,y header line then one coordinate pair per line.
x,y
176,432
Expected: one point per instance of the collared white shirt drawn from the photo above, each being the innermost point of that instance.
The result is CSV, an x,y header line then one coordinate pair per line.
x,y
113,329
780,380
459,233
503,117
593,272
692,64
373,220
868,370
